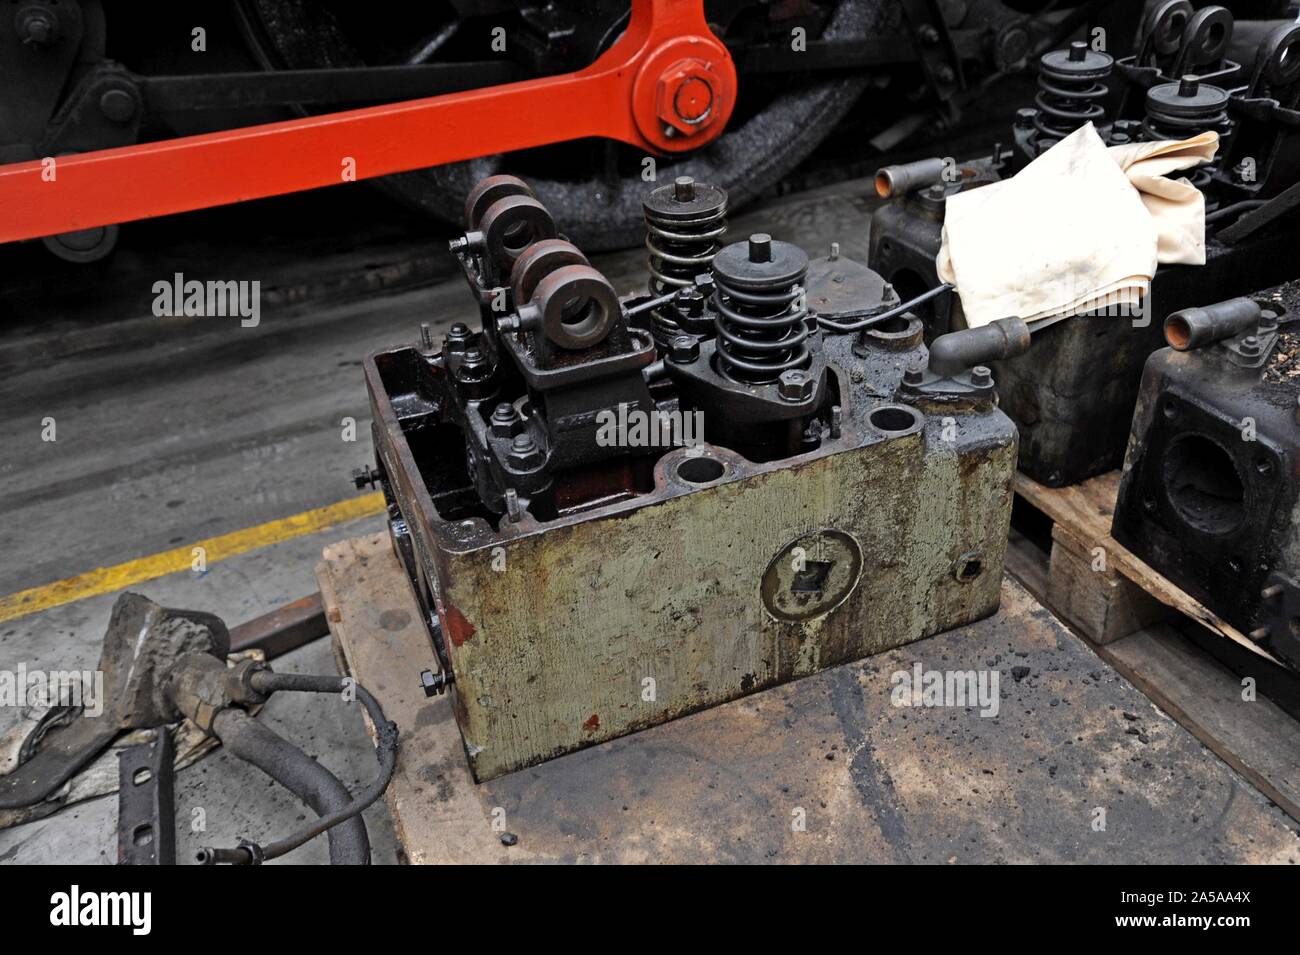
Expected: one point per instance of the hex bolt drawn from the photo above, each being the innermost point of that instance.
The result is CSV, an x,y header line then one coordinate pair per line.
x,y
683,349
684,189
760,247
366,477
981,377
1267,320
1025,117
434,684
504,419
457,337
691,300
1250,345
795,385
913,376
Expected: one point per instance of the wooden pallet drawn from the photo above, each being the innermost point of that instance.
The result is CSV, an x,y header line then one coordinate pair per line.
x,y
868,781
1097,585
1134,618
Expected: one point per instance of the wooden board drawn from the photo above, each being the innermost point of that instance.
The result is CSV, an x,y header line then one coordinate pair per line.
x,y
1251,734
871,781
1084,512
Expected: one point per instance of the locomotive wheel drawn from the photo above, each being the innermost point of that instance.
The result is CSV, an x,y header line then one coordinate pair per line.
x,y
593,186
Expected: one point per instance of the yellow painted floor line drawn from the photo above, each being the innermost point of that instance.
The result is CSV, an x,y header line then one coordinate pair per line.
x,y
106,580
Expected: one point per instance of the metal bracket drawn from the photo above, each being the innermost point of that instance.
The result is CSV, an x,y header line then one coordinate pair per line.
x,y
935,47
146,825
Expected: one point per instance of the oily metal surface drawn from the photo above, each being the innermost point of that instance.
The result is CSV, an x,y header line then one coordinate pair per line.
x,y
553,644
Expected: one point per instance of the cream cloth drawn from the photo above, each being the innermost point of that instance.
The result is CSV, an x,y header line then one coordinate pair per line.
x,y
1081,228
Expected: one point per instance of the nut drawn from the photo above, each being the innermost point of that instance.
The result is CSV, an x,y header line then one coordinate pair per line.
x,y
688,98
795,385
683,349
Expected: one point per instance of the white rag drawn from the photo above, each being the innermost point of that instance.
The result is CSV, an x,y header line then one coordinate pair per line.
x,y
1080,229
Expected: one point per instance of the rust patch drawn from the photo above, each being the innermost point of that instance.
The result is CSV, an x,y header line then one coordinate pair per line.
x,y
457,627
592,724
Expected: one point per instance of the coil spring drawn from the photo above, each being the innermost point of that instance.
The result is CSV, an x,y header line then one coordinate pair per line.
x,y
762,331
1070,90
684,224
1162,124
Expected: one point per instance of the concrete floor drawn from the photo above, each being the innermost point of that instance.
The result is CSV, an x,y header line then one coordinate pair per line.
x,y
171,430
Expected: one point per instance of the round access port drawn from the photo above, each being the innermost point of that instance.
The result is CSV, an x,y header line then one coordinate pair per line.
x,y
900,333
700,470
1204,485
894,419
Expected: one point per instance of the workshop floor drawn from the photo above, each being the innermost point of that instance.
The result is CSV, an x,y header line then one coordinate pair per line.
x,y
173,431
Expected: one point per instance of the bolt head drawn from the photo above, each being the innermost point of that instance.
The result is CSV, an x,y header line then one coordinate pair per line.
x,y
118,106
913,376
683,349
504,418
795,385
981,377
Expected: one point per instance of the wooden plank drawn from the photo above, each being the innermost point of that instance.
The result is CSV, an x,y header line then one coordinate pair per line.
x,y
375,625
873,781
1086,510
1248,732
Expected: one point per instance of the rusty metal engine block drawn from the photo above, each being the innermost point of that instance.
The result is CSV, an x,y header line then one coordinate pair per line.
x,y
1209,491
615,511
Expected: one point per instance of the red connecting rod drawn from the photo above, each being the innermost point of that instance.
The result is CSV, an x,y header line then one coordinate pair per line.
x,y
667,85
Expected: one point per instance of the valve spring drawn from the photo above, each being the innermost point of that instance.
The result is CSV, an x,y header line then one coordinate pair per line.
x,y
1070,89
762,323
684,226
1184,109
